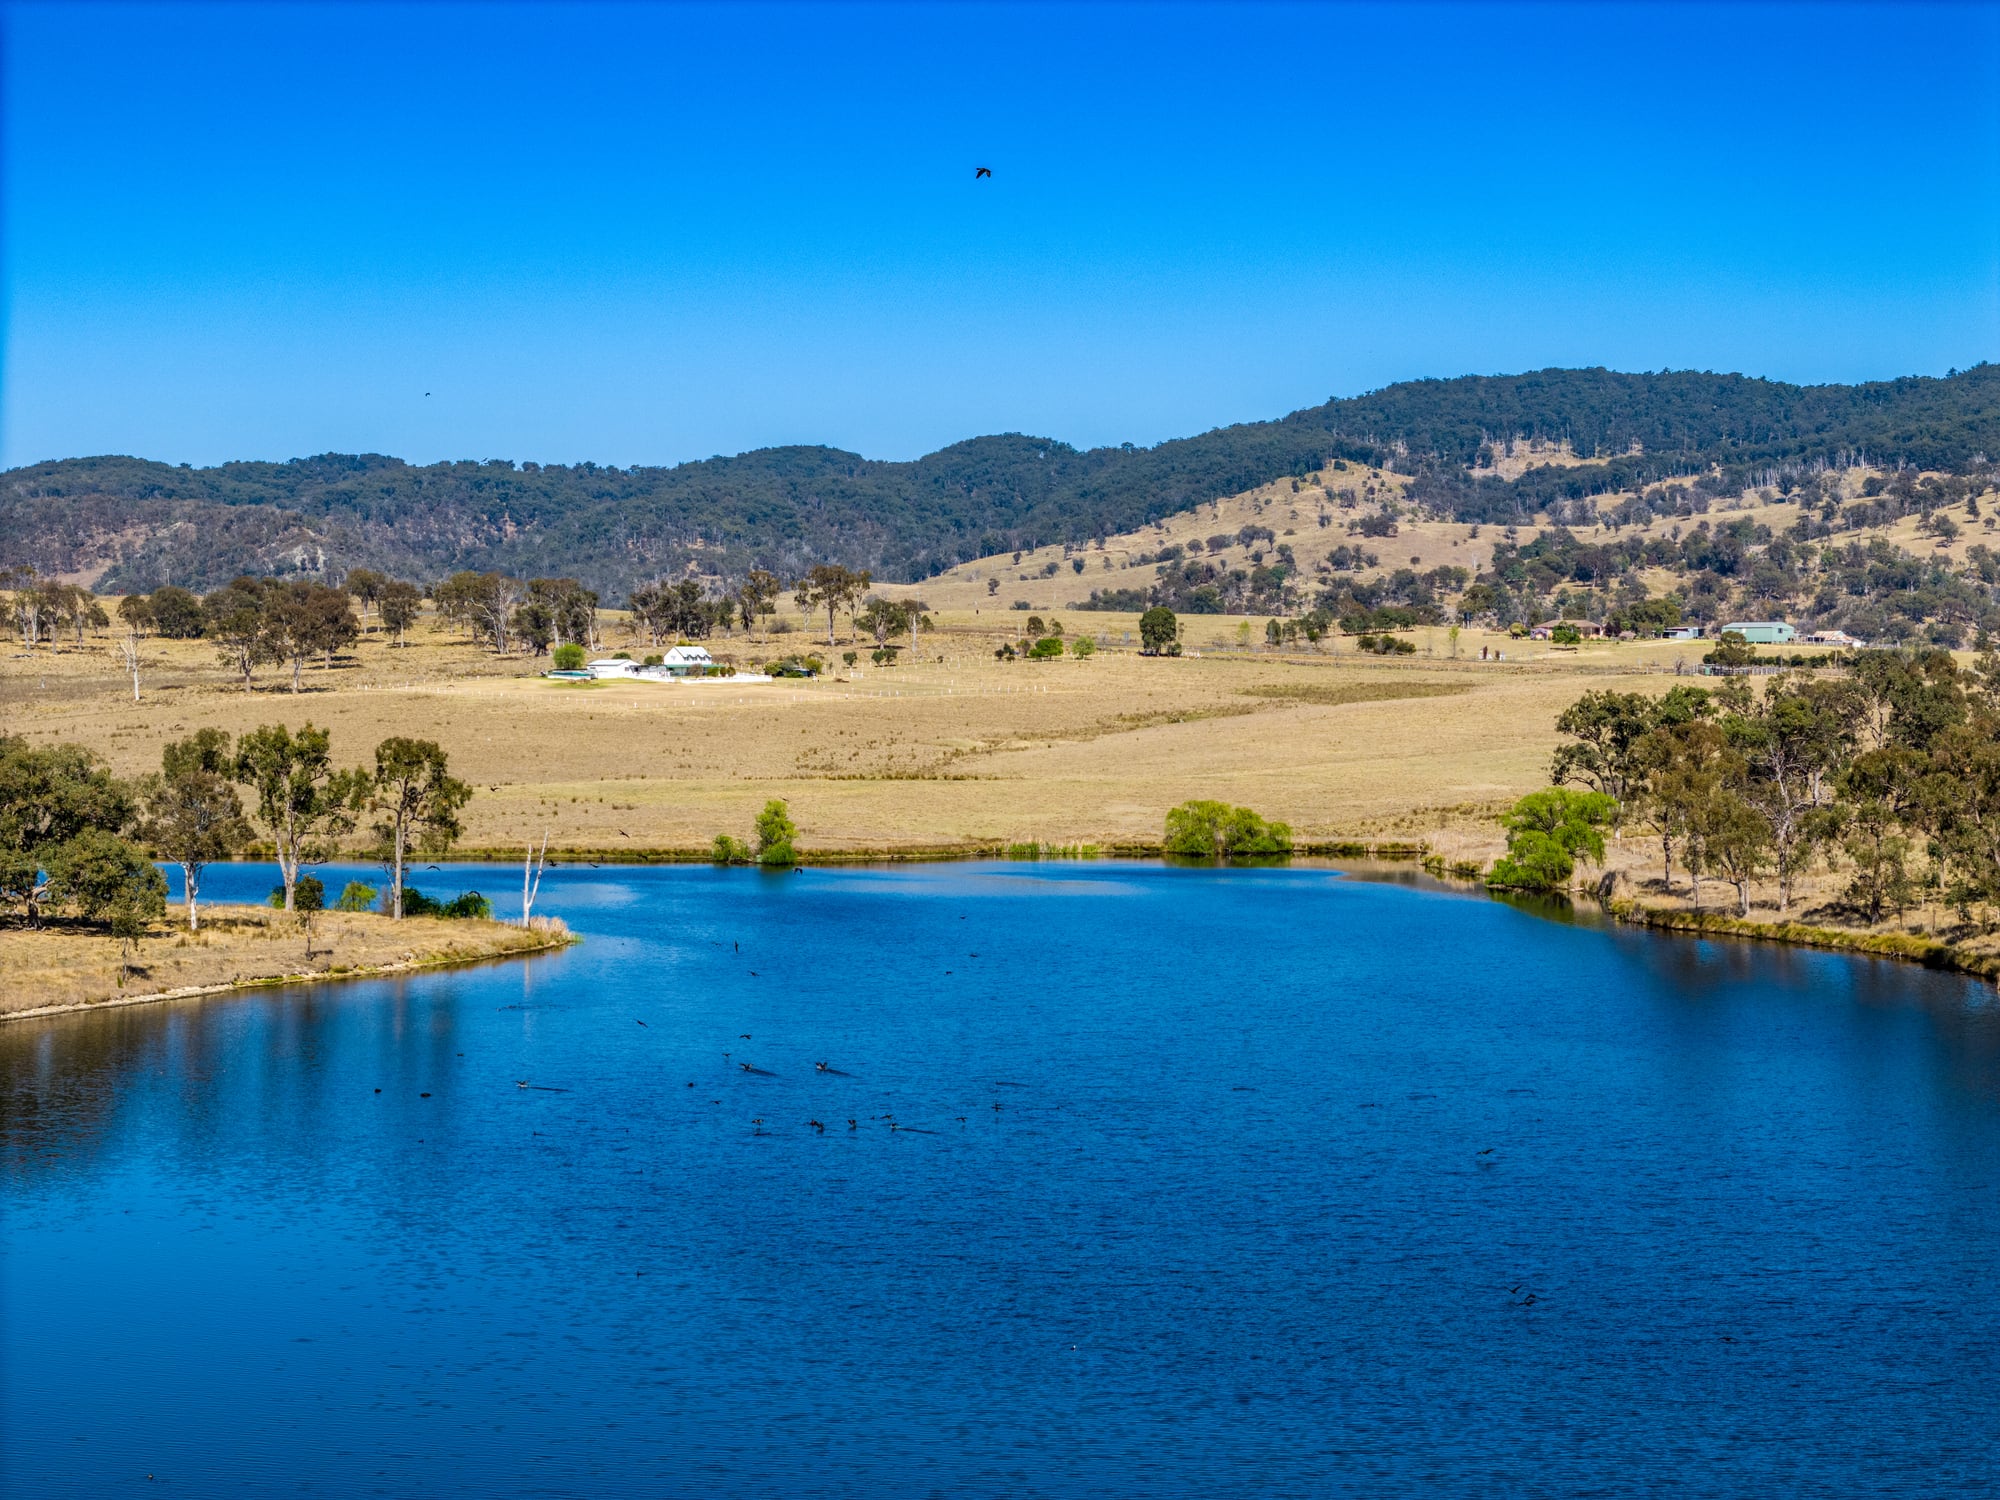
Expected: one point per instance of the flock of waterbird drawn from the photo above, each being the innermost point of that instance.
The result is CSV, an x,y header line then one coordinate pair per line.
x,y
1520,1295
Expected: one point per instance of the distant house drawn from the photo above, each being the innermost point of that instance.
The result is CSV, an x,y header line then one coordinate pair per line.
x,y
1833,638
1760,632
1684,633
1589,629
680,661
688,661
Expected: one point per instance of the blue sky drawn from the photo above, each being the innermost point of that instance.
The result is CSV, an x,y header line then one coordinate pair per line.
x,y
644,234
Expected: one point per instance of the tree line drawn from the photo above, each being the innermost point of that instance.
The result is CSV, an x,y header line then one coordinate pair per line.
x,y
254,621
1887,774
75,840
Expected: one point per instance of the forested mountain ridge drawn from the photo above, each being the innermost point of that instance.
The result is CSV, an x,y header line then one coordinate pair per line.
x,y
128,523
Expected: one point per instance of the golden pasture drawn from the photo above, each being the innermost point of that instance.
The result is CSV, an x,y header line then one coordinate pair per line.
x,y
955,750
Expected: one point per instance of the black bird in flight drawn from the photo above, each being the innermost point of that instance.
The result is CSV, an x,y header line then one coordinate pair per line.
x,y
978,173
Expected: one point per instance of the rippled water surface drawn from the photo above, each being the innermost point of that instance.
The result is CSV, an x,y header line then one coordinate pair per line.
x,y
1270,1182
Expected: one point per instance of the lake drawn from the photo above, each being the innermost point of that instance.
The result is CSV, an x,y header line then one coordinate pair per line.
x,y
1133,1181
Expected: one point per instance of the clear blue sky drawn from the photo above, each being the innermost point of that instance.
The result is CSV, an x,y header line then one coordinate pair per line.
x,y
640,235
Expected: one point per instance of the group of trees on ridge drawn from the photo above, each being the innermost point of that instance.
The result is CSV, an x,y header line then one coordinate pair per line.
x,y
787,509
1817,572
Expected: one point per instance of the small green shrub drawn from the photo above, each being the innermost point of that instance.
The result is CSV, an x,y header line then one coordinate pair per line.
x,y
1048,648
775,833
1215,830
415,903
1547,832
729,851
569,657
467,905
356,897
308,895
1082,646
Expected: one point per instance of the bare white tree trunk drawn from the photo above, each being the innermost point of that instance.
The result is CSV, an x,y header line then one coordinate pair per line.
x,y
130,647
532,860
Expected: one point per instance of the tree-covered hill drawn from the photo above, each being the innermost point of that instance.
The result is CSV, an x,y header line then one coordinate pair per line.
x,y
137,524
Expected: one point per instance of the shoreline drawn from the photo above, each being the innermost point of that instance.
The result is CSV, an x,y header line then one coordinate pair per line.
x,y
1931,953
865,854
336,972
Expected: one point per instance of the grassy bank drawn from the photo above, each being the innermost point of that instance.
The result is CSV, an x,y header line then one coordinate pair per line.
x,y
51,970
1910,947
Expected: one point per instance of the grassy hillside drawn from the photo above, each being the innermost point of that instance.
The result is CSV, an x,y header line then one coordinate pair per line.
x,y
1469,448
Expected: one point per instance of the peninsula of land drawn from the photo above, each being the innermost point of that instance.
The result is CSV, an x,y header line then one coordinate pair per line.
x,y
53,971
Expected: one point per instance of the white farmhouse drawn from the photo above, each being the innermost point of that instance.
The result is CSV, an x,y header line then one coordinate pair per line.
x,y
688,661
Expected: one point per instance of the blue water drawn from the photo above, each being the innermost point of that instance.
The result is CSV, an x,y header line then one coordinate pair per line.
x,y
1297,1185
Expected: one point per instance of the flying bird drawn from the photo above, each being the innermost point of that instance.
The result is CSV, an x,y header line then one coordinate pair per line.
x,y
978,173
642,1023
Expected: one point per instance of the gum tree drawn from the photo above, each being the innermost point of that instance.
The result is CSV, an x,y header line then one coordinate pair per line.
x,y
420,801
193,815
302,799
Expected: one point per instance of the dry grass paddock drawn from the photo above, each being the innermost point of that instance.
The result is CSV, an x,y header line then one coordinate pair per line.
x,y
955,749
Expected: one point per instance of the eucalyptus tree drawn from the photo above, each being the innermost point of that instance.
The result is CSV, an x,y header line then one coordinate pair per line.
x,y
305,803
193,816
830,587
398,608
420,800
